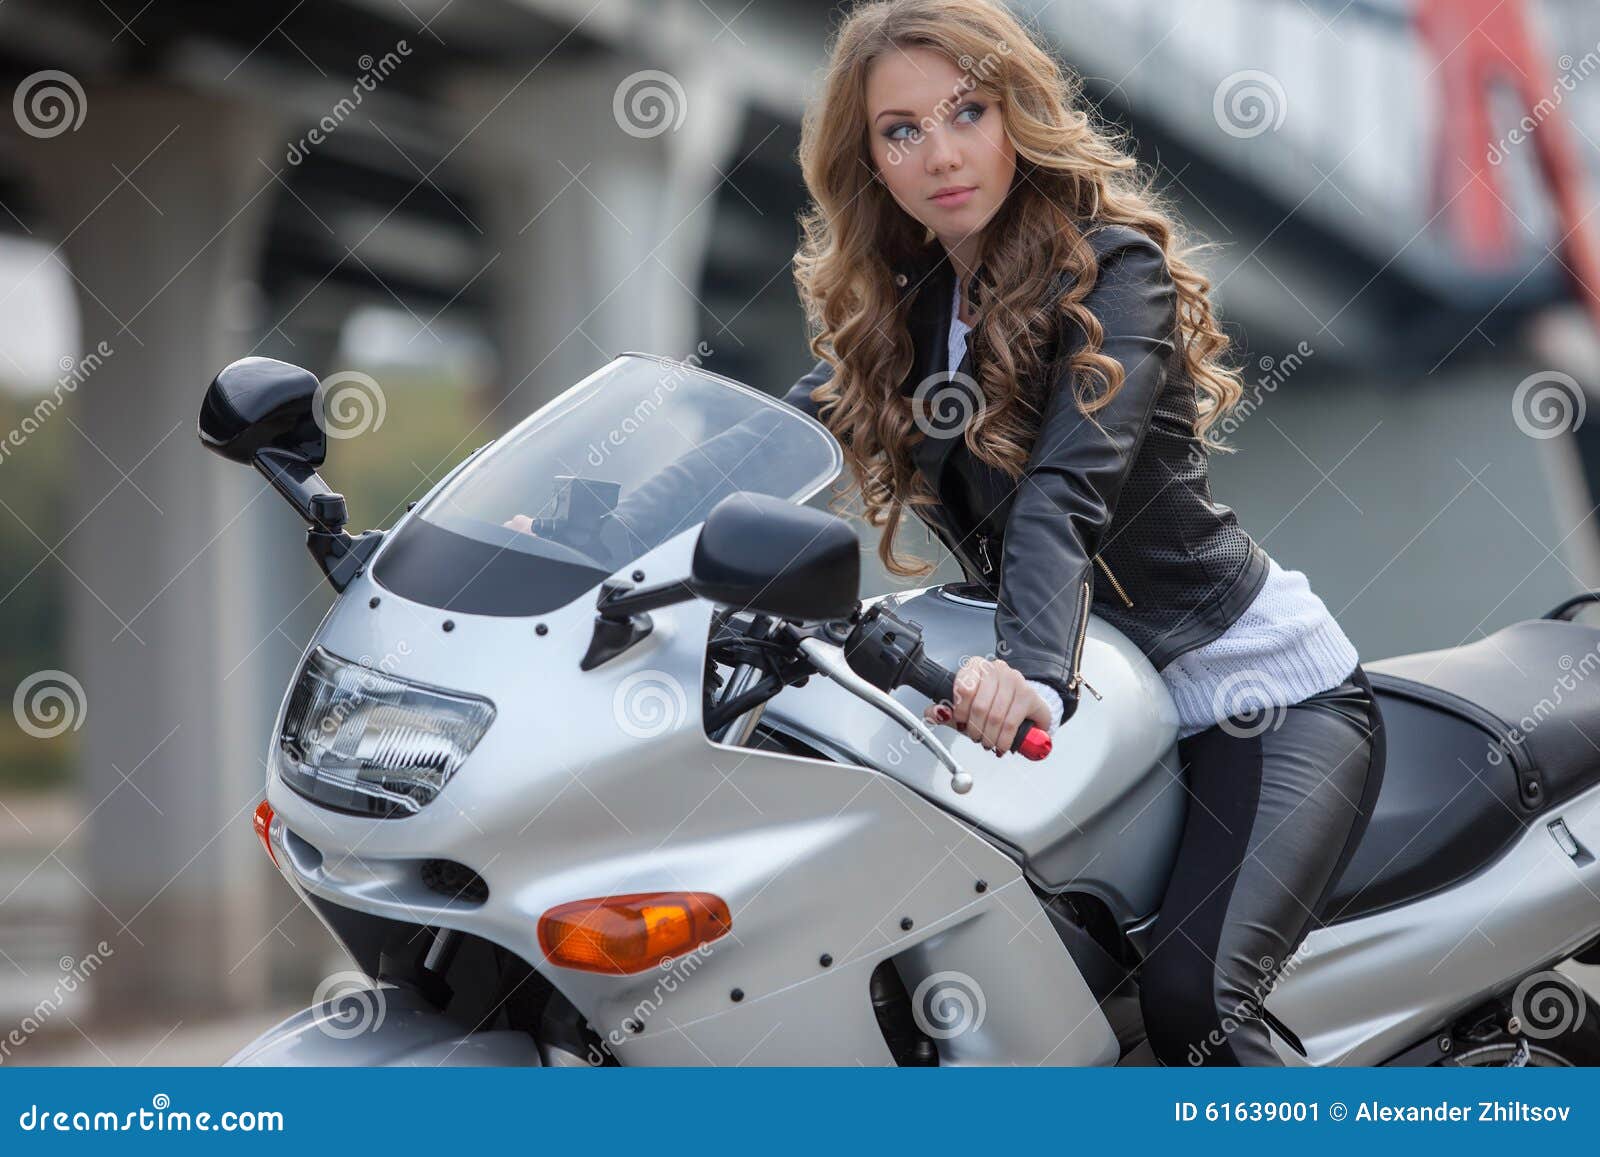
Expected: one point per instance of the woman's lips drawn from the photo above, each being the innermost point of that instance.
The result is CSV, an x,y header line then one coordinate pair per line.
x,y
951,200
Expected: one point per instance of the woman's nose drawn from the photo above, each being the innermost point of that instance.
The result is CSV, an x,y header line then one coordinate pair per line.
x,y
941,155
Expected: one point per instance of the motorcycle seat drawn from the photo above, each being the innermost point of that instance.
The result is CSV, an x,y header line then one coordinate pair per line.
x,y
1480,740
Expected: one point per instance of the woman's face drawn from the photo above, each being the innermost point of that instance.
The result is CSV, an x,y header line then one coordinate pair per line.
x,y
932,132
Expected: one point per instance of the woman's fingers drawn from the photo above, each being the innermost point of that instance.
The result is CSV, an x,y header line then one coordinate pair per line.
x,y
991,701
995,736
969,678
982,700
1026,705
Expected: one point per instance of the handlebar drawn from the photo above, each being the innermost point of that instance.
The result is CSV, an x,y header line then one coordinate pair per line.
x,y
886,650
938,683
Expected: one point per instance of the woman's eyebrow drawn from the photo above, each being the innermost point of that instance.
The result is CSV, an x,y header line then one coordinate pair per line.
x,y
898,112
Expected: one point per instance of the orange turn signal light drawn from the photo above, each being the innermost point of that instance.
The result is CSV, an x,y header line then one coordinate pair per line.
x,y
263,826
617,935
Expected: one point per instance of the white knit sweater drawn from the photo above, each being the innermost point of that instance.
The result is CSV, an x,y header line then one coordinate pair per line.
x,y
1283,648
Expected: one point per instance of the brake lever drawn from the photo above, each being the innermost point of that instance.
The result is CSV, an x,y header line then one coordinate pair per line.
x,y
829,659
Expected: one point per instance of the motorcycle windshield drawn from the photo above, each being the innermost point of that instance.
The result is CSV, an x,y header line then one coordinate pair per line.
x,y
635,454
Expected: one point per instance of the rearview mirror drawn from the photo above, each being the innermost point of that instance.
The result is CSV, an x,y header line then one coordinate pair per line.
x,y
263,413
760,553
260,403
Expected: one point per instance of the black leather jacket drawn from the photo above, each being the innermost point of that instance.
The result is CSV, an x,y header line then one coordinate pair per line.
x,y
1127,500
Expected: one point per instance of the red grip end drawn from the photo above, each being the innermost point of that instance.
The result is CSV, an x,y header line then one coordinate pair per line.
x,y
1036,744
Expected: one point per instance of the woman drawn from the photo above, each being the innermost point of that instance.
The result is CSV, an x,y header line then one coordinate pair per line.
x,y
978,248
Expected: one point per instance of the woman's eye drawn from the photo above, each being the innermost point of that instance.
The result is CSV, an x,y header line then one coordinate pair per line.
x,y
895,129
975,109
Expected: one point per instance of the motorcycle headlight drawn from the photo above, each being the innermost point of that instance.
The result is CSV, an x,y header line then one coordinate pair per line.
x,y
360,740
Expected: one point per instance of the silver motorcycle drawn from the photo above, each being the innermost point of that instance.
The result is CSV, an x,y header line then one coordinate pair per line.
x,y
599,758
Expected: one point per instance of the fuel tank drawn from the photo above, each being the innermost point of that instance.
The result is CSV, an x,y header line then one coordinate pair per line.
x,y
1101,814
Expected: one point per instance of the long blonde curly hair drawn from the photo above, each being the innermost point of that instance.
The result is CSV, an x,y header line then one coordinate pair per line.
x,y
1072,176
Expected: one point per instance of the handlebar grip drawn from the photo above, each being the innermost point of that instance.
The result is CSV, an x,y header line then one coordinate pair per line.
x,y
938,683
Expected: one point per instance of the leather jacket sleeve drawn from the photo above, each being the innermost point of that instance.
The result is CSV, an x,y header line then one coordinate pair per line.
x,y
1075,471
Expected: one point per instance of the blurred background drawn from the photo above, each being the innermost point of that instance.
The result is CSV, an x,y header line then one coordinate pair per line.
x,y
475,203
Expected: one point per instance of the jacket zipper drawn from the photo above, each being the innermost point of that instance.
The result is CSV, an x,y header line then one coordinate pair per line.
x,y
1077,679
983,551
1115,585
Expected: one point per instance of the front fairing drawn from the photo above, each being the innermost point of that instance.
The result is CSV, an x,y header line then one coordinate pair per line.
x,y
594,783
600,782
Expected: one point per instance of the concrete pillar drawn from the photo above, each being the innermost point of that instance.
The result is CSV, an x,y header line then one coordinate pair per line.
x,y
596,180
161,201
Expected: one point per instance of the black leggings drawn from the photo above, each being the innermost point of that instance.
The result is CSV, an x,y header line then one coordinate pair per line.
x,y
1277,803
